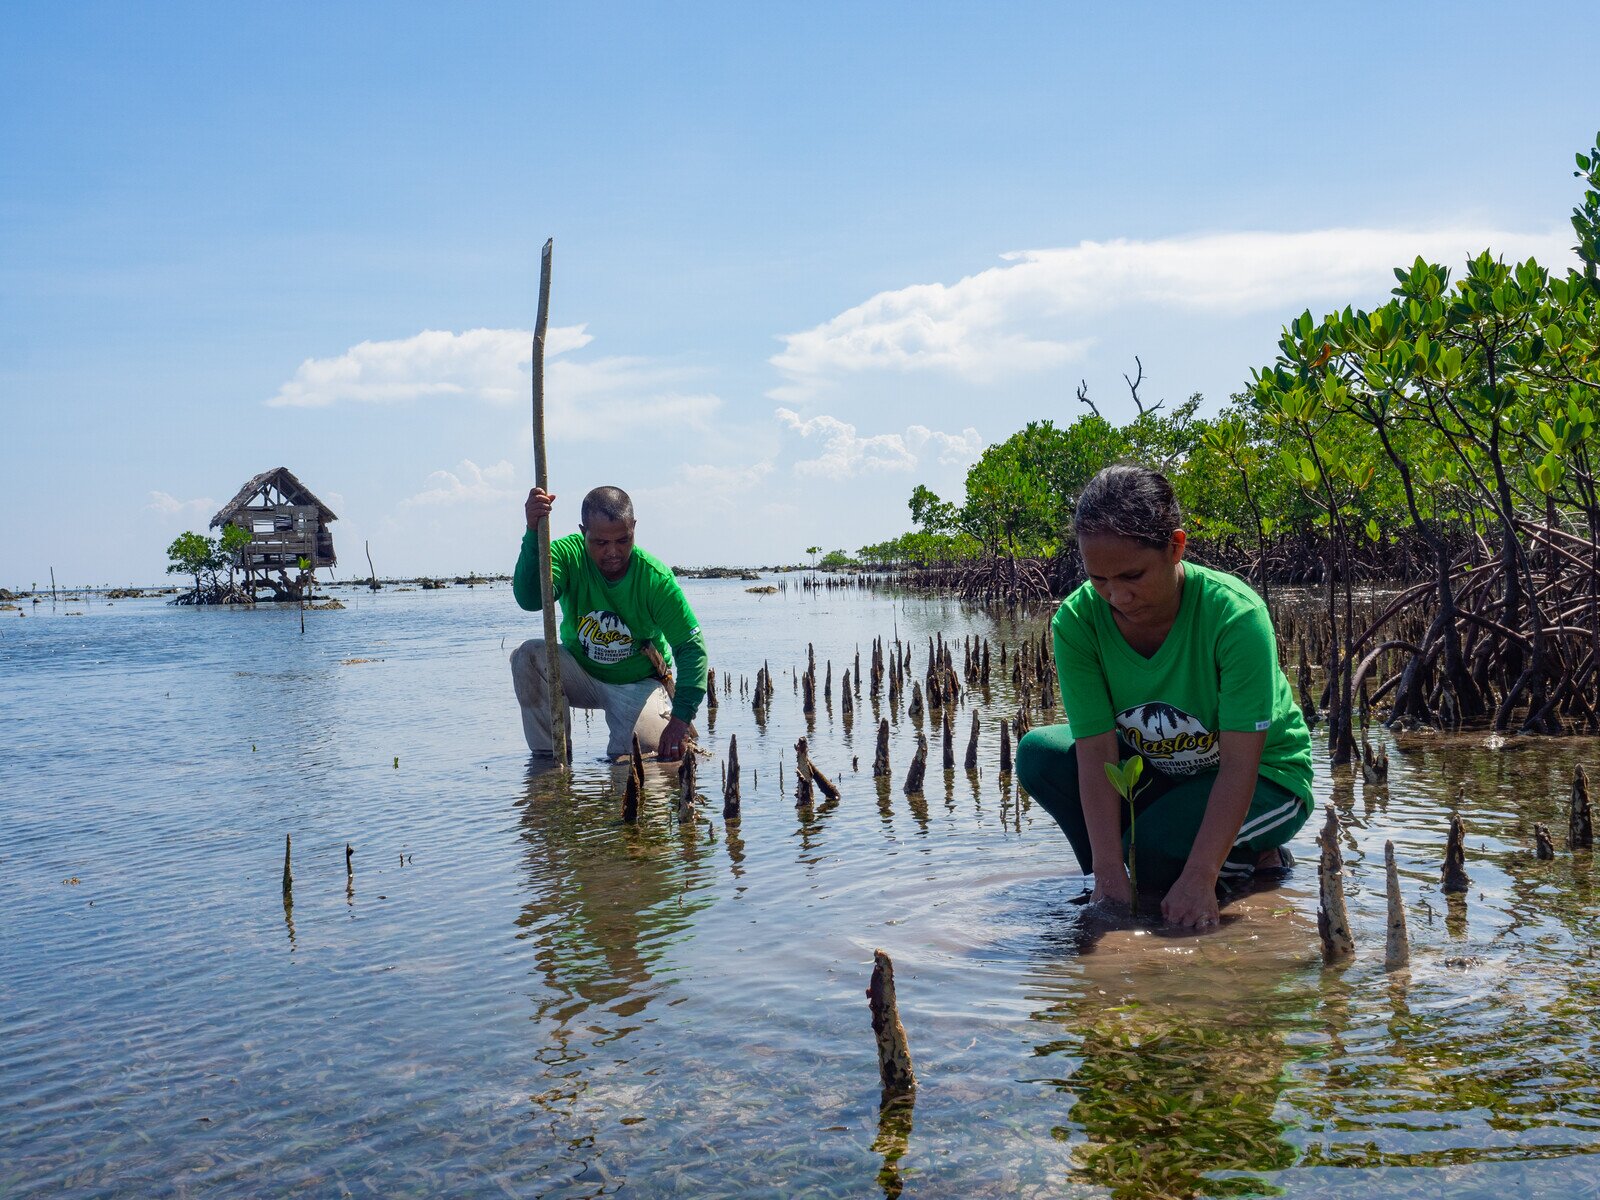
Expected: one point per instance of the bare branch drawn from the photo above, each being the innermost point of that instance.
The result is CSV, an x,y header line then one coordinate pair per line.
x,y
1083,397
1133,386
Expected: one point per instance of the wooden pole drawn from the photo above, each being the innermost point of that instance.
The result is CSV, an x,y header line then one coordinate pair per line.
x,y
541,472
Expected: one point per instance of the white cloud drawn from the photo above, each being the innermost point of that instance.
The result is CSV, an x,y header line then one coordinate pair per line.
x,y
467,484
596,399
845,453
487,364
1040,309
171,506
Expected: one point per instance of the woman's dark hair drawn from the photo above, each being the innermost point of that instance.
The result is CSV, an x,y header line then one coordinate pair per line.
x,y
1128,501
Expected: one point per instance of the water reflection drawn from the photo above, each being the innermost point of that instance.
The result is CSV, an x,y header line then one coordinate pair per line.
x,y
1180,1053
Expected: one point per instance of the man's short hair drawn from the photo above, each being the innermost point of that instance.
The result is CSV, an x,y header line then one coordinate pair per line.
x,y
607,504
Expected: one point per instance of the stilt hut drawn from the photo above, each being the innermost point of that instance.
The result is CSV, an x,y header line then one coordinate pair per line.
x,y
286,523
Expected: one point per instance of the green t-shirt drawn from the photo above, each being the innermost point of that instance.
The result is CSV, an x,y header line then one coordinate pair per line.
x,y
1217,671
605,625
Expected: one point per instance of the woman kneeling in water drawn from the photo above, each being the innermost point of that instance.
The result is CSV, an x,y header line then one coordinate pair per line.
x,y
1176,663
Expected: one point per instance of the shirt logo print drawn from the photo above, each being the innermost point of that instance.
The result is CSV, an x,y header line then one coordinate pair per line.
x,y
1174,742
605,637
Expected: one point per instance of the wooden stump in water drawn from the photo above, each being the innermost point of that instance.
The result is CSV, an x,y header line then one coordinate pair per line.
x,y
1374,766
1453,877
630,798
972,744
804,766
1333,921
638,761
914,710
880,760
949,742
288,872
711,689
1397,945
846,701
730,785
919,767
894,1054
1005,747
686,782
1580,822
1543,847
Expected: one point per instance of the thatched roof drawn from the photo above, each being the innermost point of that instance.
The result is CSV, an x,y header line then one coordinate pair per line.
x,y
284,480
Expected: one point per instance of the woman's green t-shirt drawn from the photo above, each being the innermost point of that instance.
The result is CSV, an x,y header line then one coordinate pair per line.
x,y
1216,672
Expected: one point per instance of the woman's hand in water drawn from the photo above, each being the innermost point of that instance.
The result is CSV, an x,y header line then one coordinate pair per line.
x,y
1192,903
1113,885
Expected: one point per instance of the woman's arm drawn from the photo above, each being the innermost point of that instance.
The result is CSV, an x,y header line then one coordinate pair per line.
x,y
1193,898
1102,813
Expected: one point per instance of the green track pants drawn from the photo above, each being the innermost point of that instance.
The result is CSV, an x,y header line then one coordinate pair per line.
x,y
1169,811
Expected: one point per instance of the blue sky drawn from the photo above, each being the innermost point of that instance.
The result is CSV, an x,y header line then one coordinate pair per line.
x,y
806,256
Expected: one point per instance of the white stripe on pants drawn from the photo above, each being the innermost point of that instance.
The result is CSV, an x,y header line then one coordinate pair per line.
x,y
641,708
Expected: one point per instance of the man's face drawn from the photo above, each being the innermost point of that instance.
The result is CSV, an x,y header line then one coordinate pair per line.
x,y
610,546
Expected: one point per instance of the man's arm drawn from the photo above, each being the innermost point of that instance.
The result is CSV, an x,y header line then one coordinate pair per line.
x,y
525,580
689,688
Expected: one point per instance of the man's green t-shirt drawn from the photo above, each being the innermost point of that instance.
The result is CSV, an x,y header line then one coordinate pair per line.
x,y
1216,672
605,625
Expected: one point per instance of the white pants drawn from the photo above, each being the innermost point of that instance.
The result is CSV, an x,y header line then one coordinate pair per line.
x,y
641,708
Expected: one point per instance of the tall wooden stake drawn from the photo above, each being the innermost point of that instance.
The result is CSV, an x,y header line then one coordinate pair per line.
x,y
541,472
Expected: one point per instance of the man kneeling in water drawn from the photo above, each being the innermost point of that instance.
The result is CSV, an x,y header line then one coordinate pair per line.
x,y
624,619
1177,663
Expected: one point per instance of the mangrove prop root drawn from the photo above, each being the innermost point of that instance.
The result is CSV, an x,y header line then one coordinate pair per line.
x,y
1397,945
1543,847
919,766
880,760
949,742
730,785
711,689
915,709
630,798
1580,822
972,744
1453,878
288,872
1005,747
1333,921
638,760
1374,766
686,781
894,1054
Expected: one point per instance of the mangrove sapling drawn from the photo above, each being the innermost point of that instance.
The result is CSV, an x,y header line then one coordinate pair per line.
x,y
880,759
1124,777
1397,945
1005,747
1580,821
1333,920
730,784
972,744
919,766
1453,876
894,1054
1543,847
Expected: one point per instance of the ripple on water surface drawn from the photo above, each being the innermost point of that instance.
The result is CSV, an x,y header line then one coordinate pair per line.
x,y
515,993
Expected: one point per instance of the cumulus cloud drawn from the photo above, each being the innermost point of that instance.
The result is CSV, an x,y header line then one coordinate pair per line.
x,y
845,453
597,399
1038,310
487,364
171,506
467,484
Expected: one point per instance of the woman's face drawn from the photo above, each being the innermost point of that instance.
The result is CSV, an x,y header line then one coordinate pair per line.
x,y
1139,582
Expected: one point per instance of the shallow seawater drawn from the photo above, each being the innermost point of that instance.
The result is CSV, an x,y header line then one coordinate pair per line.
x,y
519,995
